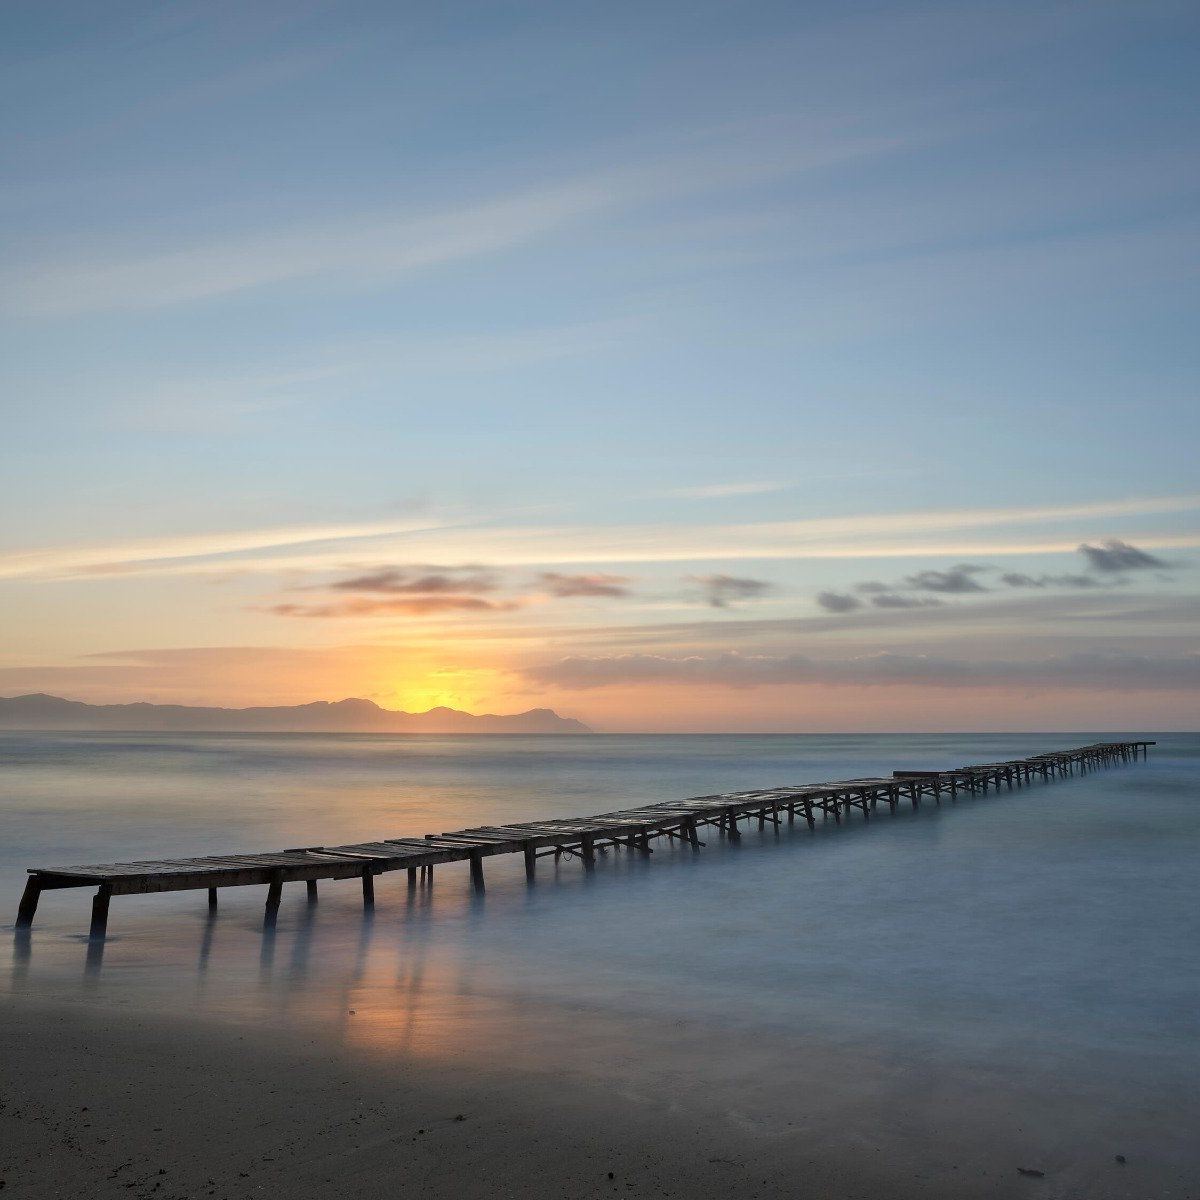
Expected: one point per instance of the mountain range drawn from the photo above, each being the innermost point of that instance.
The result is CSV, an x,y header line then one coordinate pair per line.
x,y
42,712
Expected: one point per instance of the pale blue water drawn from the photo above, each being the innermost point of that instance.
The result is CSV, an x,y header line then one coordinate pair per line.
x,y
1040,943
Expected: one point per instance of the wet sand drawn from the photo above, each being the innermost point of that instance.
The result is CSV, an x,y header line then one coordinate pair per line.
x,y
110,1103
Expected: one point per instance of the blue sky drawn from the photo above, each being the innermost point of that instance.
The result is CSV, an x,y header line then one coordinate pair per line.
x,y
295,294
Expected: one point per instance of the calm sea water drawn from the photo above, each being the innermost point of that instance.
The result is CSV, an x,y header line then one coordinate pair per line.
x,y
1042,943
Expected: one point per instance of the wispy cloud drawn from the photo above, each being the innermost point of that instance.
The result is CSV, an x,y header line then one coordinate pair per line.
x,y
142,555
363,247
735,670
717,491
368,246
405,606
877,535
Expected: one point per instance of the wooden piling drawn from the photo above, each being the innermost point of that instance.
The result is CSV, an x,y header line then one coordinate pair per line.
x,y
100,911
29,902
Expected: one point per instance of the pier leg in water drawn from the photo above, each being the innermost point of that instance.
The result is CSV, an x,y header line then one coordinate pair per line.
x,y
530,861
29,902
412,878
477,871
100,911
312,891
368,888
274,895
588,846
212,899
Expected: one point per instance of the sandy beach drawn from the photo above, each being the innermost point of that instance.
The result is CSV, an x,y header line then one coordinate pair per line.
x,y
119,1104
112,1106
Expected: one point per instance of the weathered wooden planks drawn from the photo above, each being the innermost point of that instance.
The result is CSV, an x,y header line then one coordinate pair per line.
x,y
578,836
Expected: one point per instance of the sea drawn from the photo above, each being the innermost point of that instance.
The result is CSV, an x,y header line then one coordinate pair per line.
x,y
995,962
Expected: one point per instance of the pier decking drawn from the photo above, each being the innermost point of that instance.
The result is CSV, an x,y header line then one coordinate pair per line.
x,y
580,837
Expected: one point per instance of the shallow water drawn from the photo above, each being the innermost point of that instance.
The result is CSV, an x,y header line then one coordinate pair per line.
x,y
1044,938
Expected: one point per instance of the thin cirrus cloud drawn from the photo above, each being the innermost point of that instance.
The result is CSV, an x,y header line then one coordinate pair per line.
x,y
884,535
410,606
736,670
719,491
364,247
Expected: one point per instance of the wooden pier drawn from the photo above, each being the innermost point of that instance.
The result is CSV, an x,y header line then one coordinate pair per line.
x,y
581,837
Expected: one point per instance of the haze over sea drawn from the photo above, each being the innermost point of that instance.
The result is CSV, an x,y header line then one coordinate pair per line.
x,y
1020,966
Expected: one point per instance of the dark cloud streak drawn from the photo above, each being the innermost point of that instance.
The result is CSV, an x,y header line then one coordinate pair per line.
x,y
722,591
1115,555
393,582
958,580
609,586
838,602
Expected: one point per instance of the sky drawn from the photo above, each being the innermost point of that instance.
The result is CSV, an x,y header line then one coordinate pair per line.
x,y
678,366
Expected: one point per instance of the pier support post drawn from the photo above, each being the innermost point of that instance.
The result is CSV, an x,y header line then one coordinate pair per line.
x,y
212,899
274,894
100,911
731,827
29,902
312,891
368,881
477,870
530,860
588,848
412,878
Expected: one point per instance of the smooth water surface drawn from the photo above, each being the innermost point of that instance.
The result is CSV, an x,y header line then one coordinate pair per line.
x,y
1045,934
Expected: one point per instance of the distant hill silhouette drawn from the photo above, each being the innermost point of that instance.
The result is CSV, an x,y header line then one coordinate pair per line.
x,y
38,711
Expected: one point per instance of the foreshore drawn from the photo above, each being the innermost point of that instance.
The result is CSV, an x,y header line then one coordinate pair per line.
x,y
114,1102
